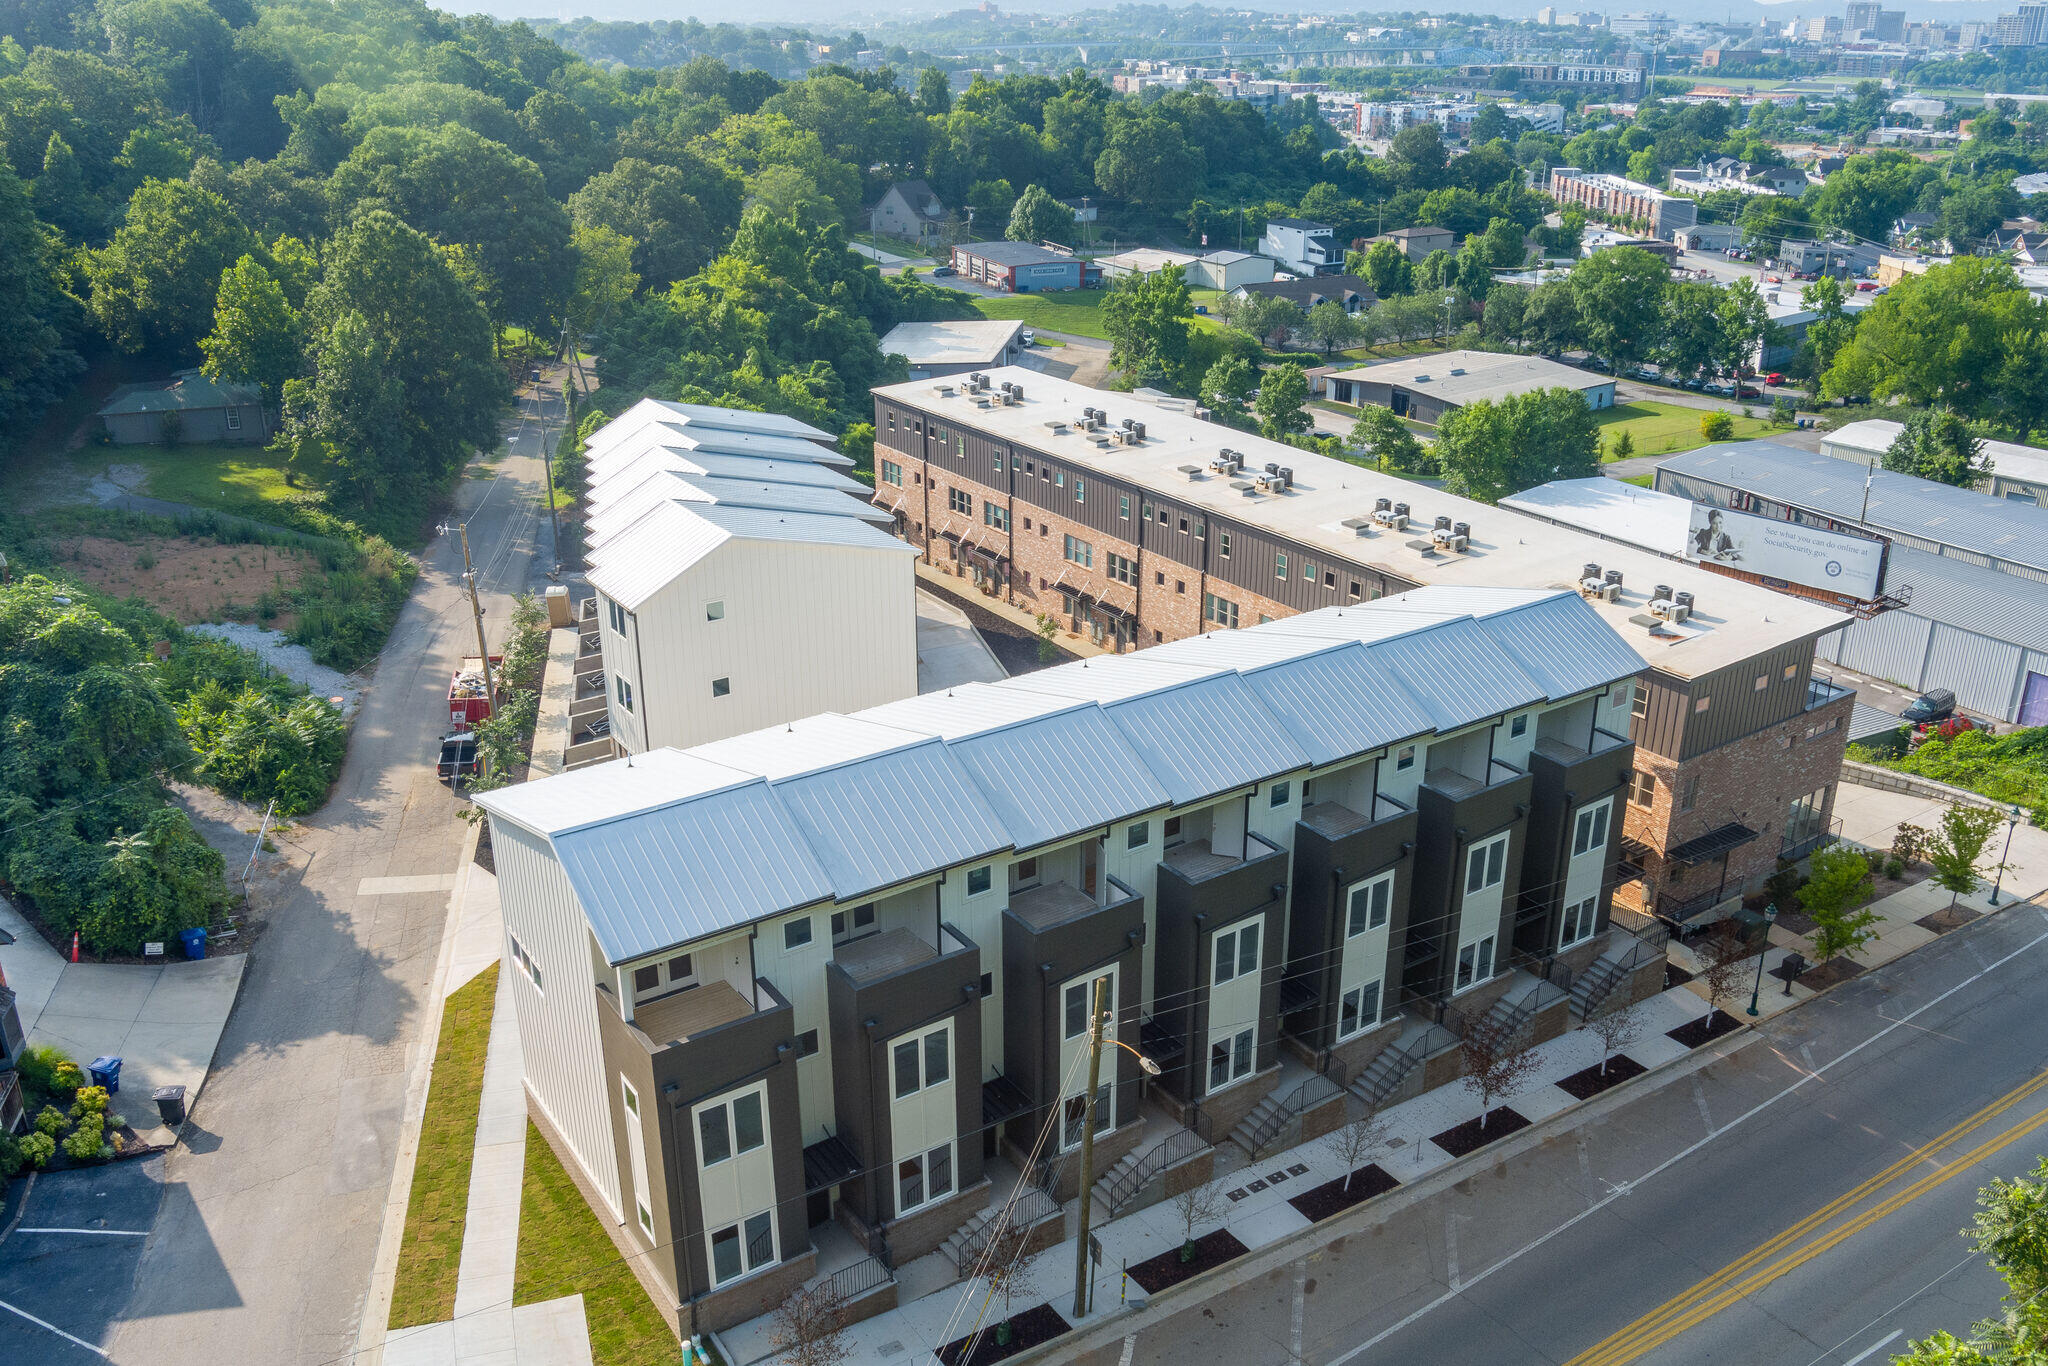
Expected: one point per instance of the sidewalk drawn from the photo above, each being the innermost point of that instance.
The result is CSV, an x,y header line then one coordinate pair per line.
x,y
163,1021
1871,816
487,1330
1256,1196
1072,642
949,650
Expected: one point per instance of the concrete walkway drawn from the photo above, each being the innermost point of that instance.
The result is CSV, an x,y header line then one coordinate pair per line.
x,y
1254,1200
487,1330
163,1021
1871,817
949,649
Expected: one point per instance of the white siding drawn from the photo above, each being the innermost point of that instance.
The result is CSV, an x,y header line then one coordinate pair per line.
x,y
621,660
806,629
799,974
558,1036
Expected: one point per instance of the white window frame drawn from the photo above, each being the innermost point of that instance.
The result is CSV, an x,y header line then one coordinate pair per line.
x,y
923,1162
714,610
747,1266
1379,908
234,419
1576,925
1138,835
1591,826
636,1153
1404,758
728,1106
1488,858
1236,937
790,943
623,690
1280,793
1355,999
1240,1062
617,615
1475,964
1074,1115
524,960
921,1041
986,872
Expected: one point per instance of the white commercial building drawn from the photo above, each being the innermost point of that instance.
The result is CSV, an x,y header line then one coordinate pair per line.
x,y
741,579
2018,473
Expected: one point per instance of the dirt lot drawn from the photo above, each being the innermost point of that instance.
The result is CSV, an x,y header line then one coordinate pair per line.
x,y
192,580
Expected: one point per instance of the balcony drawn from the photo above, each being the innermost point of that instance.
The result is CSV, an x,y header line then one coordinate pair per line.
x,y
1056,904
717,1021
1820,692
877,958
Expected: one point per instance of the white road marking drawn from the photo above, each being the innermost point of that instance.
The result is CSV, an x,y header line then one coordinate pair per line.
x,y
1699,1098
96,1232
53,1328
1894,691
1674,1160
1130,1349
1300,1310
1874,1348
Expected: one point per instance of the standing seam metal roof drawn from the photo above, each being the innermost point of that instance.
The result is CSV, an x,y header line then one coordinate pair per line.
x,y
841,808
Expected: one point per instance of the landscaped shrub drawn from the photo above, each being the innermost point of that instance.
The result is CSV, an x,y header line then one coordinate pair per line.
x,y
37,1149
2011,769
50,1120
90,1100
87,1142
12,1159
47,1072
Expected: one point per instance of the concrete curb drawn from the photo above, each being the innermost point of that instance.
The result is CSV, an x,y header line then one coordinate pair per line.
x,y
376,1321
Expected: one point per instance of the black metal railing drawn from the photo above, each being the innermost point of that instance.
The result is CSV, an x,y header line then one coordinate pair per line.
x,y
851,1282
1819,839
1120,1186
1264,1129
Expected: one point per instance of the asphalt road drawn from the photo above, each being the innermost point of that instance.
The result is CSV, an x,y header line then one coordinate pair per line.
x,y
262,1247
1838,1151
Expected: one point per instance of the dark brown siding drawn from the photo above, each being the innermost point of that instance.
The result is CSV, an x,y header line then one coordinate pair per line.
x,y
1736,706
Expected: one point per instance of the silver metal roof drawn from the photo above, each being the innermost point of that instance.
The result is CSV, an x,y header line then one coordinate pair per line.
x,y
1904,503
674,845
661,461
1970,596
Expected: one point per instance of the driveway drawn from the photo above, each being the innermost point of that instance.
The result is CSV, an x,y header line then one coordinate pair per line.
x,y
263,1252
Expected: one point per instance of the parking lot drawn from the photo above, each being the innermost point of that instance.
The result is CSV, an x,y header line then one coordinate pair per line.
x,y
67,1259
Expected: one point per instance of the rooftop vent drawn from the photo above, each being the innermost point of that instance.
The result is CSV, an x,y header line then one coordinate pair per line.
x,y
1422,379
1456,370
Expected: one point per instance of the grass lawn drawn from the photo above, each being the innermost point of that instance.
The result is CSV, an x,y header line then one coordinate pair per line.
x,y
1641,481
564,1251
1666,428
229,478
437,1208
1074,310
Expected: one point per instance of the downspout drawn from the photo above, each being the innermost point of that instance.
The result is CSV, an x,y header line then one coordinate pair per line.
x,y
670,1144
1198,1004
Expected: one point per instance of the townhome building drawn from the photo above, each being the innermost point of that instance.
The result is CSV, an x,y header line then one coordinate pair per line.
x,y
730,552
839,971
1143,524
1612,197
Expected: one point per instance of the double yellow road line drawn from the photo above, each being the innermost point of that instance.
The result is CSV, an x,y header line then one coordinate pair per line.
x,y
1763,1264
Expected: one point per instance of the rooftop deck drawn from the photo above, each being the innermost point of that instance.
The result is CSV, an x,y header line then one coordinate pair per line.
x,y
879,955
673,1019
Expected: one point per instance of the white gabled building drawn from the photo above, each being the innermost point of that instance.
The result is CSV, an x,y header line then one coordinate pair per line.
x,y
732,557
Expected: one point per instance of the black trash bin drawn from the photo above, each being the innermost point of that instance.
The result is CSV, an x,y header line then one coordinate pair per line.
x,y
170,1105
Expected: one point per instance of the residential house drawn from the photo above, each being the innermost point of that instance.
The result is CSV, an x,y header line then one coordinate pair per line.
x,y
1418,242
1425,388
186,408
910,210
1352,291
1301,246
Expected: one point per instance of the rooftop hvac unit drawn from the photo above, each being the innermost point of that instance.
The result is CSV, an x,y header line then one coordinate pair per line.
x,y
1401,510
1461,529
1128,423
1390,517
1382,504
1287,476
1589,571
1662,593
1613,577
1603,589
1272,467
1683,600
1441,524
1137,428
1017,392
1443,538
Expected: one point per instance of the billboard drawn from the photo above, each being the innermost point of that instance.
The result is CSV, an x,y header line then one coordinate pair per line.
x,y
1827,560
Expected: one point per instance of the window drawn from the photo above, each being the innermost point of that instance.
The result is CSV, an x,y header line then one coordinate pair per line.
x,y
636,1152
1146,511
796,933
960,500
892,473
1691,795
922,1179
624,691
1139,835
960,446
1578,922
618,617
1180,586
1280,794
1172,831
988,985
923,1061
1359,1011
1079,998
1059,479
1368,904
1123,506
1486,865
1080,552
727,1127
1700,704
1279,565
721,687
978,880
1123,570
1639,700
1475,963
740,1248
1621,697
1518,727
714,611
647,978
748,1132
995,515
1762,681
1201,529
1309,570
1080,492
1404,758
1589,831
862,918
234,419
1642,789
1230,1059
1791,672
999,462
525,960
807,1044
1223,544
1355,590
1236,952
1219,611
1074,1117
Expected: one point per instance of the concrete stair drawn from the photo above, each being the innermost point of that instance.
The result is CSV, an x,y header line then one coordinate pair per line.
x,y
967,1242
1597,983
1384,1074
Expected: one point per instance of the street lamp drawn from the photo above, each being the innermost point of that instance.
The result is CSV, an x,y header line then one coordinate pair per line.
x,y
2012,823
1770,918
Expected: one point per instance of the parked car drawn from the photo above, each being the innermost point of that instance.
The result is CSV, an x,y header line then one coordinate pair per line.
x,y
1866,286
1748,391
1696,384
458,758
1774,379
942,270
1028,337
1935,705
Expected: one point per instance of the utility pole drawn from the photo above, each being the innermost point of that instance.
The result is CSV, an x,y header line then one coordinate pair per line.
x,y
1096,1021
476,613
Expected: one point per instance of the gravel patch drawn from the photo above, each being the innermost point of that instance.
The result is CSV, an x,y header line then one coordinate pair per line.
x,y
293,661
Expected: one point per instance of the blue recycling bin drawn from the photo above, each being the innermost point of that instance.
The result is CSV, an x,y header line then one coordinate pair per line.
x,y
106,1072
194,942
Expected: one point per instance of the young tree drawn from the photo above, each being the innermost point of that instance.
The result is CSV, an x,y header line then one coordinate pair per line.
x,y
1007,1269
1387,438
810,1327
1955,845
256,337
1616,1027
1146,317
1725,956
1198,1204
1717,425
1270,318
1283,396
1745,327
1038,217
1840,879
1937,444
154,284
1499,1062
1356,1140
1624,445
1329,326
1388,270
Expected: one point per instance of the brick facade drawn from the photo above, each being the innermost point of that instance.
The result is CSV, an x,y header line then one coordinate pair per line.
x,y
1753,781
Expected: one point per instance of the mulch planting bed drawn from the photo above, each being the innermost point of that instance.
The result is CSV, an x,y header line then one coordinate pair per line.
x,y
1470,1138
1831,972
1675,976
1331,1197
1211,1249
1028,1329
1591,1082
1705,1029
1941,922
